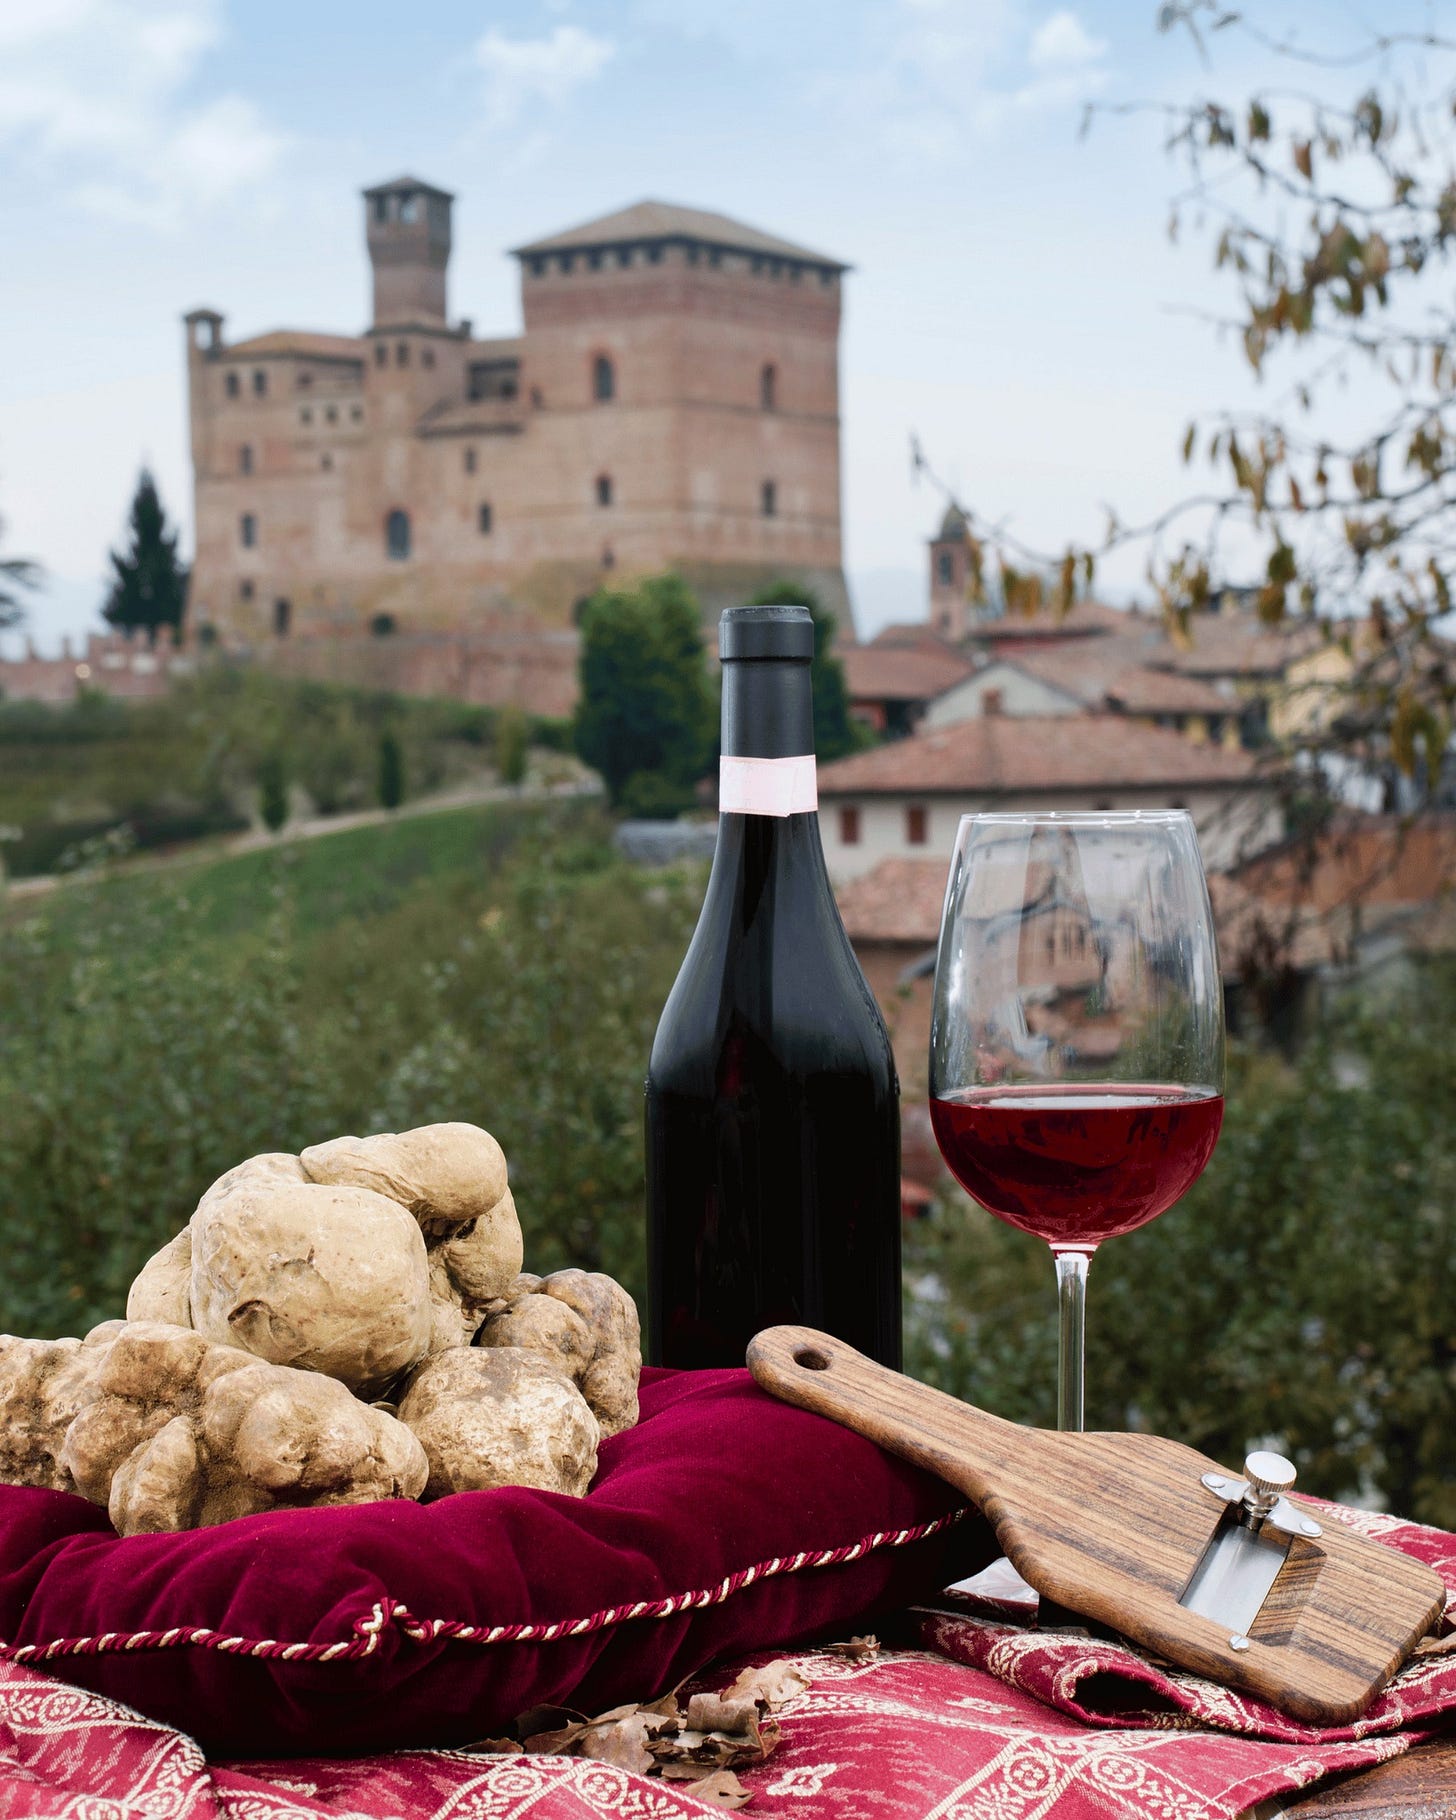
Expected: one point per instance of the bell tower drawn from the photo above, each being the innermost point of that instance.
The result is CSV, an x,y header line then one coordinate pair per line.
x,y
407,226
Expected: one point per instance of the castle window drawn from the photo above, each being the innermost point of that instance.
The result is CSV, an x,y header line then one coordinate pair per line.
x,y
245,590
427,358
304,380
826,277
624,255
796,272
248,531
769,499
604,489
381,354
282,618
538,268
245,458
331,415
715,255
654,255
692,253
757,264
538,398
260,383
397,536
775,266
944,569
594,259
917,819
604,380
381,208
849,825
565,261
409,206
383,625
233,387
609,561
305,415
470,461
326,462
401,353
768,385
483,518
356,413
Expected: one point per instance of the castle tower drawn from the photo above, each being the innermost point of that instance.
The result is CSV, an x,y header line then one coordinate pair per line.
x,y
407,227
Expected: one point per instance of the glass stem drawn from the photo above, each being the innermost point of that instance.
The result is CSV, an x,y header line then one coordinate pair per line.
x,y
1071,1337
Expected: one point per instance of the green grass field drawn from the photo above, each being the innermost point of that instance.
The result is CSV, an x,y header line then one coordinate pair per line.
x,y
499,965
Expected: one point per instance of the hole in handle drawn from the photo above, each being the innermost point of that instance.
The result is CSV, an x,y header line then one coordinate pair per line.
x,y
812,1359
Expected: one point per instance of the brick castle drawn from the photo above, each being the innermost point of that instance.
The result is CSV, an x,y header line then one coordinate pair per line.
x,y
671,402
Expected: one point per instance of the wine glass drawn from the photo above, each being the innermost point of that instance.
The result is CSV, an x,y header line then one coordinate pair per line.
x,y
1076,1042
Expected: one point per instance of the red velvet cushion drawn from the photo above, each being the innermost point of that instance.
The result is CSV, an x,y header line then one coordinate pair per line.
x,y
724,1522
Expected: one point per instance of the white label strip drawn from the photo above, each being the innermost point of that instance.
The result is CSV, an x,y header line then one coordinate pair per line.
x,y
767,786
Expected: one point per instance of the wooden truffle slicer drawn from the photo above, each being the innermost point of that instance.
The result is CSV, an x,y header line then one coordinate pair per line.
x,y
1220,1574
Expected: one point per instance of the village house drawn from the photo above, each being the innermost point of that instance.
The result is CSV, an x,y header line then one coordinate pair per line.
x,y
905,799
1107,674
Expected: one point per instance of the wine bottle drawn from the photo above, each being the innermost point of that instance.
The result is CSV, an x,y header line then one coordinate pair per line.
x,y
773,1116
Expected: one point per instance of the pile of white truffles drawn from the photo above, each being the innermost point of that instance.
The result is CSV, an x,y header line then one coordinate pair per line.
x,y
331,1328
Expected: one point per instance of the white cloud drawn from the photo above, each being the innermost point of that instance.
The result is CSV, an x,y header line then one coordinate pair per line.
x,y
525,73
1062,42
98,96
947,72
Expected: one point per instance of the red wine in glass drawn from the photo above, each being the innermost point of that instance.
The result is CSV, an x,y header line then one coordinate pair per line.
x,y
1075,1163
1076,1040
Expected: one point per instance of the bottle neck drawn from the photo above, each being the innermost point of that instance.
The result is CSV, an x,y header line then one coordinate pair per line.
x,y
768,710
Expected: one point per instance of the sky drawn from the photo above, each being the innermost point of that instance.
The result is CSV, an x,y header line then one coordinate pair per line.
x,y
1015,301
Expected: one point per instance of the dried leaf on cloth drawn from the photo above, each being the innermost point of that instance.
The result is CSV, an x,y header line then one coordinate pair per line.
x,y
857,1649
700,1747
722,1787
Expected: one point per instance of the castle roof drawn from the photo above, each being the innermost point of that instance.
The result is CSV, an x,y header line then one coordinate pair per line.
x,y
1004,754
299,341
671,221
397,184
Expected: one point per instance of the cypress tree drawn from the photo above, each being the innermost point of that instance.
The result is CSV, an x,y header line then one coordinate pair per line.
x,y
149,586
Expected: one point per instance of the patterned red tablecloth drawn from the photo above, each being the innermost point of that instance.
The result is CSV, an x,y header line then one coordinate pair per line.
x,y
979,1721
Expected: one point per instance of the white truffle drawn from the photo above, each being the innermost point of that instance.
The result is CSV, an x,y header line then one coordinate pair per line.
x,y
333,1280
182,1433
502,1416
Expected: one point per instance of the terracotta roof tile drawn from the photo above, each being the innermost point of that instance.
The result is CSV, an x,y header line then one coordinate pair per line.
x,y
1004,754
1122,669
1085,616
902,672
899,901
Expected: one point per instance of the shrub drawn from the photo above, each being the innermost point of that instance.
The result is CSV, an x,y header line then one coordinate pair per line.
x,y
391,770
273,791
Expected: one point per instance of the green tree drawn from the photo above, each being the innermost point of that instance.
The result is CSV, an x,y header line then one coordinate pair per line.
x,y
512,741
835,733
646,703
273,790
149,589
18,576
391,769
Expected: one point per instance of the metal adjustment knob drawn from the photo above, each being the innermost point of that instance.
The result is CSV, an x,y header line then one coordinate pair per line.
x,y
1270,1475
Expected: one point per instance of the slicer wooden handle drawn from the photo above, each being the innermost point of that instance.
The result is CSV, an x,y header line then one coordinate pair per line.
x,y
966,1446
